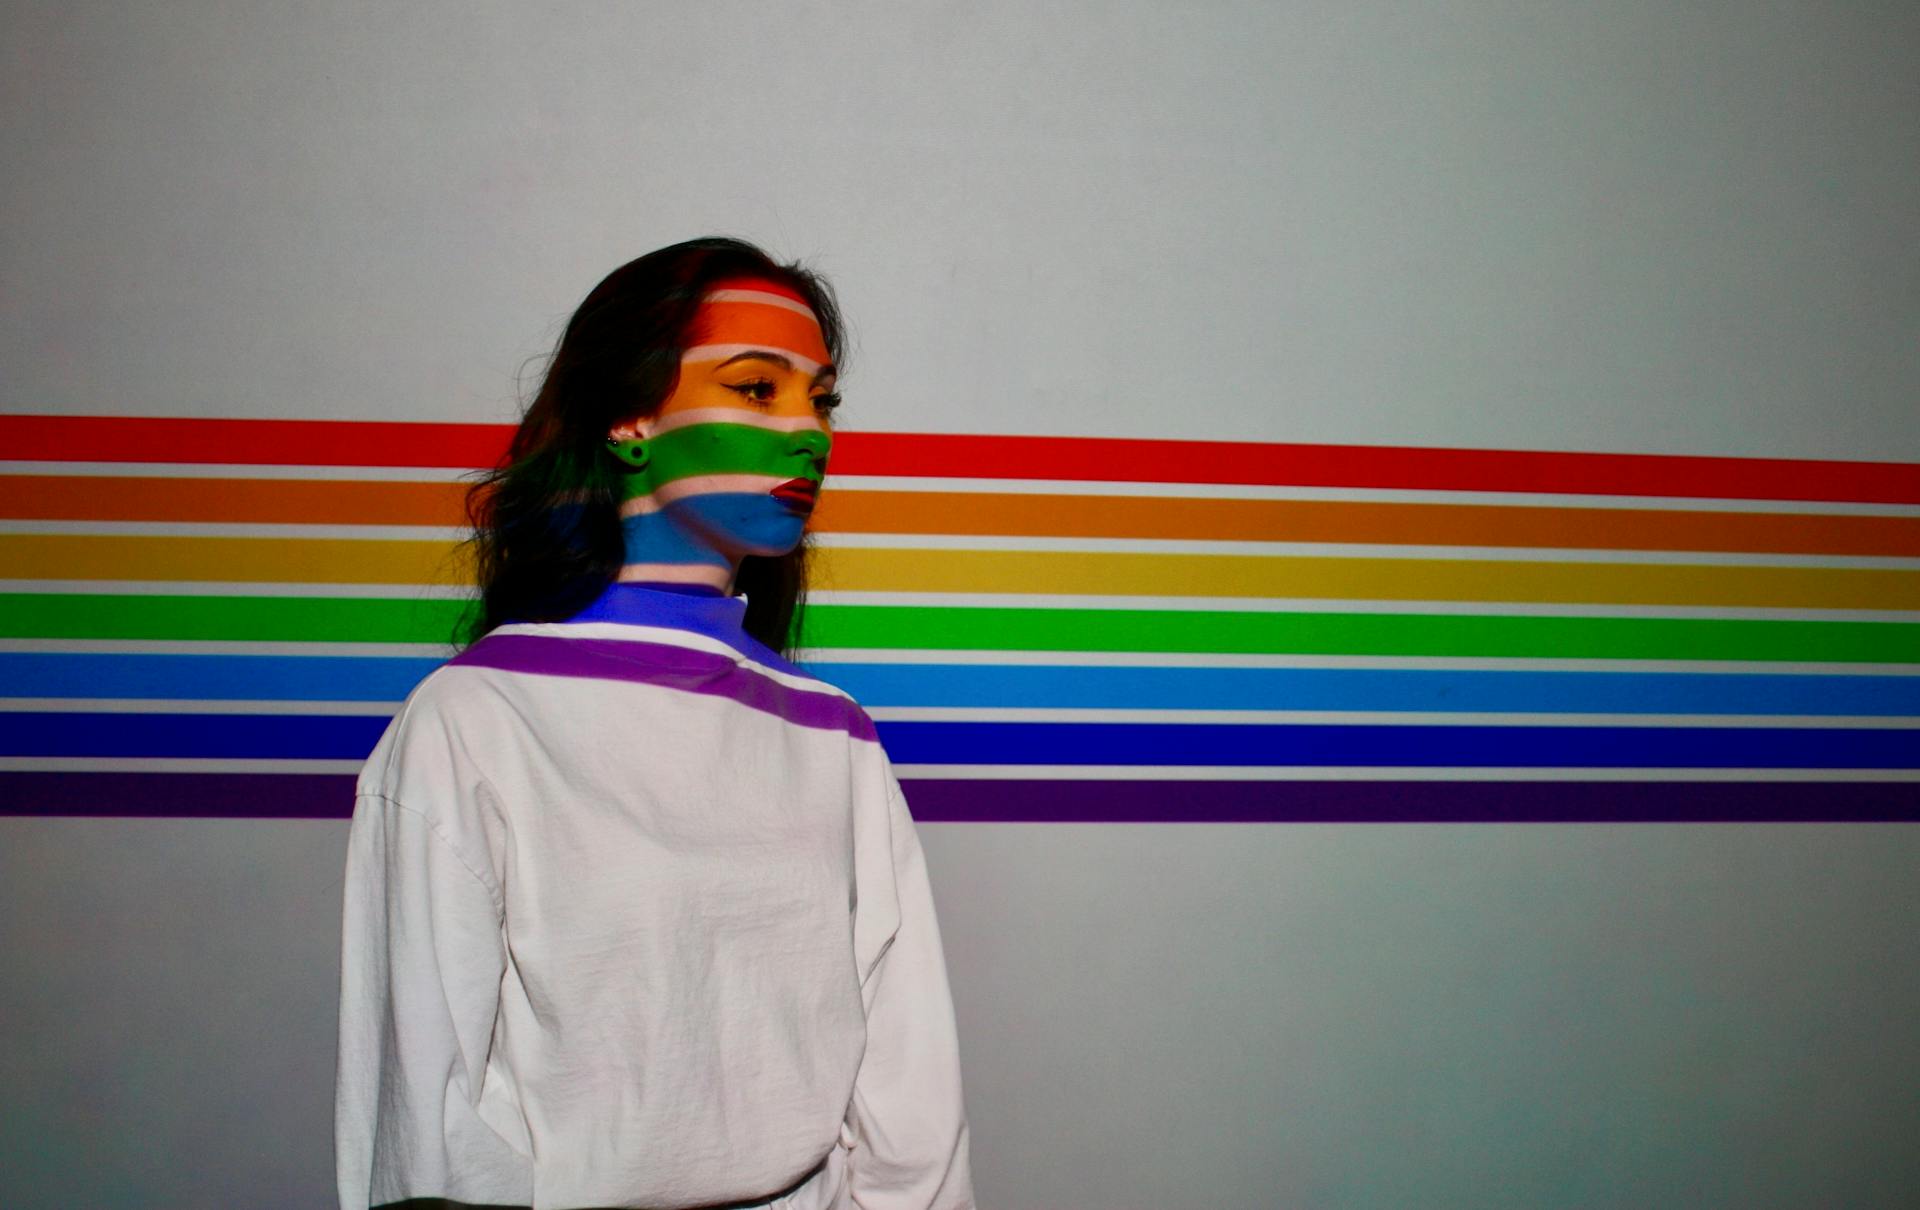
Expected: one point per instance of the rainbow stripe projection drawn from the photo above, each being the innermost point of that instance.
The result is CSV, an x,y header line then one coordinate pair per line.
x,y
217,617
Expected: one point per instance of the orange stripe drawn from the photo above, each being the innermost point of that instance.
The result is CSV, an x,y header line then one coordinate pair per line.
x,y
236,560
288,501
347,502
1340,521
734,323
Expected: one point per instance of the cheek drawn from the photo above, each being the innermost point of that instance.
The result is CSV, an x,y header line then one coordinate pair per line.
x,y
753,523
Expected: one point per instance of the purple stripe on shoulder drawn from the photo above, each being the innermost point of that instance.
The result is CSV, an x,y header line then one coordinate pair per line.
x,y
669,666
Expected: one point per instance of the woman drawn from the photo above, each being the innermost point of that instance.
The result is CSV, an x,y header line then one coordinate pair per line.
x,y
635,914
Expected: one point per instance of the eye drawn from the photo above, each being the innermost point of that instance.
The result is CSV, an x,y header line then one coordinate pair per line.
x,y
760,390
827,402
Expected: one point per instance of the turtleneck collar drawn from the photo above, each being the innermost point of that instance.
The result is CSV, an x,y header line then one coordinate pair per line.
x,y
698,610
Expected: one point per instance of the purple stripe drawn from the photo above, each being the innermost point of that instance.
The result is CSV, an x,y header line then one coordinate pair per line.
x,y
180,795
961,800
671,667
330,796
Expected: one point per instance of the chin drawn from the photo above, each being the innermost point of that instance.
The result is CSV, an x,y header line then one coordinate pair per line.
x,y
755,525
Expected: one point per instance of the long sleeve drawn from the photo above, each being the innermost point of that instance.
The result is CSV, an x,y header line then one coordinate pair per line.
x,y
422,957
906,1126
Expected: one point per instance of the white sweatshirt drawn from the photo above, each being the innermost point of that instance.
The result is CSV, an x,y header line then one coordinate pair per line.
x,y
635,915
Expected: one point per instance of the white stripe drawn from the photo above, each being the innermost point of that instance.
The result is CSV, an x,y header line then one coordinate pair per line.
x,y
169,764
627,632
667,493
246,588
438,651
705,353
235,470
827,657
1392,718
655,425
1386,773
762,297
1359,495
1342,550
675,573
156,705
1016,600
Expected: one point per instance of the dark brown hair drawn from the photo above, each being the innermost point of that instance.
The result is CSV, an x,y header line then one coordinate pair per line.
x,y
546,536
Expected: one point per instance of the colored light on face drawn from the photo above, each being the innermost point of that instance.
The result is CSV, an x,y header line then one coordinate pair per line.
x,y
745,315
730,463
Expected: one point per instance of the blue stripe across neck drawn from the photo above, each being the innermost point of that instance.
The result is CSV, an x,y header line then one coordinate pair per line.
x,y
699,611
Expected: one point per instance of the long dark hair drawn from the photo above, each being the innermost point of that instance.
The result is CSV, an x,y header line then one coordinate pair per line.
x,y
546,536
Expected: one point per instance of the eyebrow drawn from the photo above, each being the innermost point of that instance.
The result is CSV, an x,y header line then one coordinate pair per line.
x,y
784,362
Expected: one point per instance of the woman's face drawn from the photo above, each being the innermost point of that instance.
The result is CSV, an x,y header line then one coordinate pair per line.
x,y
733,460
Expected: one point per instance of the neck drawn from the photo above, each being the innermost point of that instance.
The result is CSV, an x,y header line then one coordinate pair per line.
x,y
655,575
691,590
668,549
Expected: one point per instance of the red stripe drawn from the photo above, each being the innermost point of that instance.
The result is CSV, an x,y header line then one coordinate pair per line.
x,y
1157,461
258,442
1118,459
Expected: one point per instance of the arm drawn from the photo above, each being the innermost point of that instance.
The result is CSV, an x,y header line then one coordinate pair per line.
x,y
421,962
906,1126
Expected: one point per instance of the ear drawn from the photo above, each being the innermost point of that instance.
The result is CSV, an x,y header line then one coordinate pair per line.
x,y
628,430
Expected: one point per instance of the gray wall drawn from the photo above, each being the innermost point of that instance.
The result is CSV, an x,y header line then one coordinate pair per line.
x,y
1652,228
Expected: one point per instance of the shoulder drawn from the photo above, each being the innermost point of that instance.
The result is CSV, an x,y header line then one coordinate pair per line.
x,y
430,742
439,761
810,700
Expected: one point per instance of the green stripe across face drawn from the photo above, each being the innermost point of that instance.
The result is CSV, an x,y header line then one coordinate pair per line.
x,y
720,448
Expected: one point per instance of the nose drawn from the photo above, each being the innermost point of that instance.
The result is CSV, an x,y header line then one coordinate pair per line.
x,y
811,445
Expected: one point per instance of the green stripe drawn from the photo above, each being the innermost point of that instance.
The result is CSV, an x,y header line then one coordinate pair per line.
x,y
1358,634
379,620
721,448
262,619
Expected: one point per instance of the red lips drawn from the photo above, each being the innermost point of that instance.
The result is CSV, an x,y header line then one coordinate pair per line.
x,y
798,492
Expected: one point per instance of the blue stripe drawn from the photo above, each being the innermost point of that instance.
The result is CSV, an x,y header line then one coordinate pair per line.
x,y
678,532
206,736
1372,689
352,737
389,678
1531,747
294,678
708,613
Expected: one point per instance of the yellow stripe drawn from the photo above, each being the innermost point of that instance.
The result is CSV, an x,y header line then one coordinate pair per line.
x,y
265,560
906,569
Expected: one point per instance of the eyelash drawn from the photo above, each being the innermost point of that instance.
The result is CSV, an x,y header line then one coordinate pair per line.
x,y
760,390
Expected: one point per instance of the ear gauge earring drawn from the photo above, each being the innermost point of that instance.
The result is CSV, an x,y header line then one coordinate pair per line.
x,y
634,452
